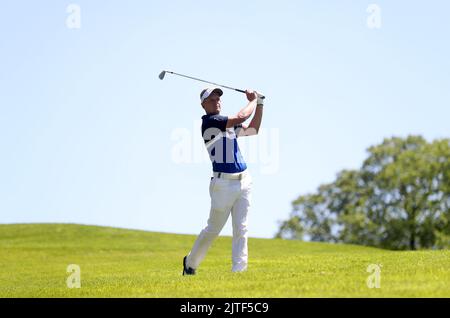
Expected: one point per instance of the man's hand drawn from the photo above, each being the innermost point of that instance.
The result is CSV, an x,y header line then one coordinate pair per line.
x,y
251,95
260,100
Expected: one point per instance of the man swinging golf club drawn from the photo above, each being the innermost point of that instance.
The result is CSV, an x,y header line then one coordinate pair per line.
x,y
230,186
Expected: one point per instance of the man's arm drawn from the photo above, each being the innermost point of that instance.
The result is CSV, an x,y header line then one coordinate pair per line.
x,y
255,123
245,112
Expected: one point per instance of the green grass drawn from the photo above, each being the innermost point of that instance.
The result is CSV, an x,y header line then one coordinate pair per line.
x,y
127,263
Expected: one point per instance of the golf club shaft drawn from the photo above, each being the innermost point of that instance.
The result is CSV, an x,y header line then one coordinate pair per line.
x,y
198,79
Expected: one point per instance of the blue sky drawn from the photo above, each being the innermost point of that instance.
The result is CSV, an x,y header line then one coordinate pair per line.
x,y
88,131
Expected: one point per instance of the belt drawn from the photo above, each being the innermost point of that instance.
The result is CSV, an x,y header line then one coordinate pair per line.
x,y
230,176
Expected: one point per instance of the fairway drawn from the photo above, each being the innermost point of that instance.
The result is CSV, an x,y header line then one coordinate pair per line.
x,y
128,263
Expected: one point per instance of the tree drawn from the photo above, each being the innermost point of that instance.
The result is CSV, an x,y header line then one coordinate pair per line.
x,y
398,199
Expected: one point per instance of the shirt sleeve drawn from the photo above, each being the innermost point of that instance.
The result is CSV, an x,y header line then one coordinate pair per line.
x,y
237,130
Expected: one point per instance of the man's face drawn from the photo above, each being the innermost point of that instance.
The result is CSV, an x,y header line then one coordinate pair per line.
x,y
212,104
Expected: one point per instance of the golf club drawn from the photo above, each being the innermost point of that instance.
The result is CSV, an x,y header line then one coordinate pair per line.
x,y
163,74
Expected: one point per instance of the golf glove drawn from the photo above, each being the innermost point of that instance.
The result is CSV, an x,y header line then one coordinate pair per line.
x,y
260,101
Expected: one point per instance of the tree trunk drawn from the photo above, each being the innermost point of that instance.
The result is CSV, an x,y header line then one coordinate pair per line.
x,y
412,229
412,239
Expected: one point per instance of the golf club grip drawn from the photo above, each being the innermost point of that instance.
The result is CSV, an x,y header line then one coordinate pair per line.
x,y
241,91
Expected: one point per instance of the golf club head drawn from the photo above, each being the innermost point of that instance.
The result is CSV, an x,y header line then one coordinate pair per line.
x,y
161,75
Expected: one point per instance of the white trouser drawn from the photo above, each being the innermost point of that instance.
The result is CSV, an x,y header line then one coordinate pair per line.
x,y
226,196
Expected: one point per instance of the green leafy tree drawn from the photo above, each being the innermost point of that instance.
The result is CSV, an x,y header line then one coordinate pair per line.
x,y
398,199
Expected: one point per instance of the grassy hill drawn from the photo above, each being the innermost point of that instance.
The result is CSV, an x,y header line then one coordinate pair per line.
x,y
127,263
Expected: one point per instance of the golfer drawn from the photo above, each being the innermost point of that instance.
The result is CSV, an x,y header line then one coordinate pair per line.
x,y
230,186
